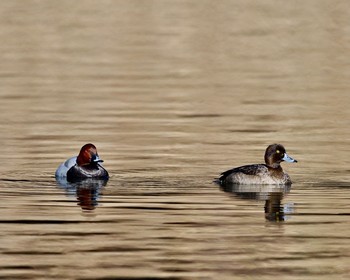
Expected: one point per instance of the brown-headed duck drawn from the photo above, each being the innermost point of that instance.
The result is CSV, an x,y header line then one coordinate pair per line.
x,y
85,165
270,173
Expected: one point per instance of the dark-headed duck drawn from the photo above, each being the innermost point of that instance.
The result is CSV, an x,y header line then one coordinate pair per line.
x,y
270,173
85,165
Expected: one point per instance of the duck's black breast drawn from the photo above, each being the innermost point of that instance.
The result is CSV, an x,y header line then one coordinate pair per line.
x,y
76,173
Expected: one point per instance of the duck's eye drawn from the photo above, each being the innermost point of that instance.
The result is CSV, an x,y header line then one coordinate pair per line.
x,y
277,151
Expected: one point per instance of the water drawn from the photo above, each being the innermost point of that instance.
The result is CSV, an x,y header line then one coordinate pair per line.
x,y
172,93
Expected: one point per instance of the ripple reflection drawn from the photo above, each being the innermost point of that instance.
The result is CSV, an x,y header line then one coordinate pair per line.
x,y
87,191
273,195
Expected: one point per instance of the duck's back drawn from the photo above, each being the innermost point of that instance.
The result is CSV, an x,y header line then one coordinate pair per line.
x,y
62,170
254,174
247,174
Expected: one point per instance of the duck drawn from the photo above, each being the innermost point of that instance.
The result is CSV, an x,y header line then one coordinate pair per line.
x,y
270,173
85,165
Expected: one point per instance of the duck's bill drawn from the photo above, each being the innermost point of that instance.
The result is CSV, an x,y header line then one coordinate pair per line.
x,y
287,158
96,159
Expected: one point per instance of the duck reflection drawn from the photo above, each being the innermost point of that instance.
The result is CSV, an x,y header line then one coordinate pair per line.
x,y
272,195
86,191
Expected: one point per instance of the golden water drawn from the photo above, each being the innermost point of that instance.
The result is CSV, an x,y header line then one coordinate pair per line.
x,y
172,93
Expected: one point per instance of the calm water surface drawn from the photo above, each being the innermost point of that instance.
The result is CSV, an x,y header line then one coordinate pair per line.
x,y
173,93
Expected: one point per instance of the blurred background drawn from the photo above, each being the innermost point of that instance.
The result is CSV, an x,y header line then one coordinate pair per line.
x,y
163,81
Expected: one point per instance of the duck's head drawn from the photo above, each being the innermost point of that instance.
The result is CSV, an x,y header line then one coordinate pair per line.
x,y
88,155
275,154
